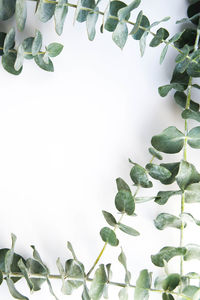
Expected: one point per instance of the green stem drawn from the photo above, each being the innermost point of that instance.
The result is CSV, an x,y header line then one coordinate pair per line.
x,y
167,42
105,245
185,154
119,284
102,250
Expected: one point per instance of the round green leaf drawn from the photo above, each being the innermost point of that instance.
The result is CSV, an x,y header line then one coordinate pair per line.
x,y
158,172
109,236
124,202
7,9
171,282
187,175
8,62
140,177
45,66
109,218
171,140
54,49
194,137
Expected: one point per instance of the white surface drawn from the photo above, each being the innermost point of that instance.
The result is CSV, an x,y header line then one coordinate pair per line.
x,y
65,138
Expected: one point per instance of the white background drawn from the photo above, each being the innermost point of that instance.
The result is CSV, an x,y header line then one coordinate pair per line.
x,y
66,136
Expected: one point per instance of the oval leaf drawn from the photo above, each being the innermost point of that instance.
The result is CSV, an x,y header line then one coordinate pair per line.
x,y
109,236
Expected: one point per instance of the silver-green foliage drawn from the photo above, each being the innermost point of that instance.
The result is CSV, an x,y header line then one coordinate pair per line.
x,y
182,173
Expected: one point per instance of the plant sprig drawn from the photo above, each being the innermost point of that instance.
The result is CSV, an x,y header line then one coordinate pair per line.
x,y
171,140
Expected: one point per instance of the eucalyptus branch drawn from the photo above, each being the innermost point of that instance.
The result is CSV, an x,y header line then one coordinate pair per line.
x,y
171,140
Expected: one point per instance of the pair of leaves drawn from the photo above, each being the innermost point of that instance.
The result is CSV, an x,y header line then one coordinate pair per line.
x,y
171,140
112,221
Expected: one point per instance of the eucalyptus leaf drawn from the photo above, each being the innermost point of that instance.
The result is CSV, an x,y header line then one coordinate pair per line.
x,y
139,176
120,34
184,53
194,66
136,27
25,273
163,53
187,175
110,219
181,99
122,260
10,255
45,11
54,49
166,296
163,196
124,12
143,284
37,43
123,294
109,236
164,220
173,168
144,23
128,230
7,9
20,58
13,291
60,14
91,21
171,282
9,41
190,291
70,285
189,114
190,216
193,252
164,90
113,7
161,35
192,194
98,283
73,269
166,254
27,46
124,202
85,294
81,14
14,265
158,172
21,14
155,153
40,62
194,137
142,43
171,140
71,249
122,185
143,199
